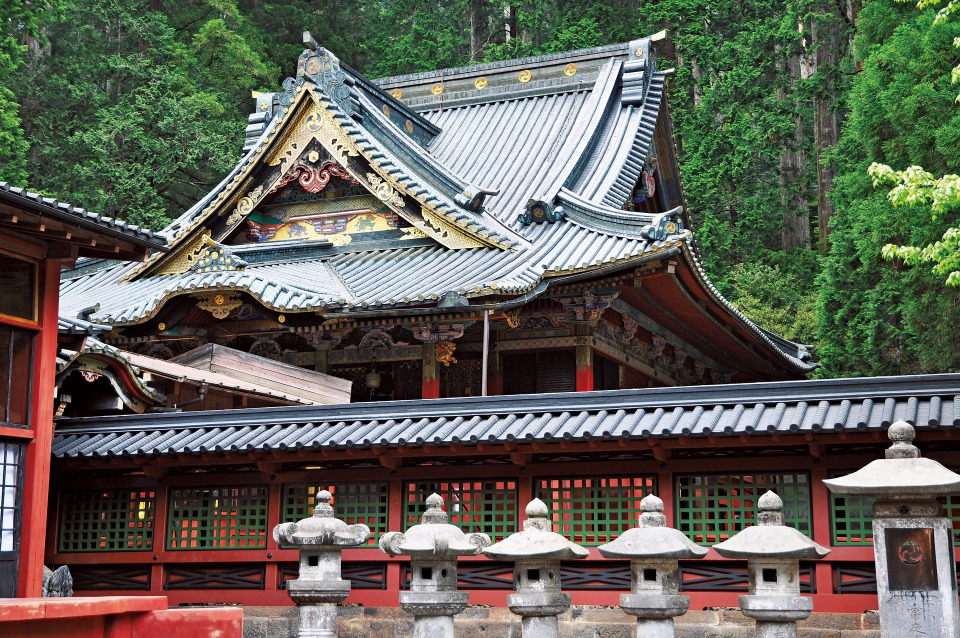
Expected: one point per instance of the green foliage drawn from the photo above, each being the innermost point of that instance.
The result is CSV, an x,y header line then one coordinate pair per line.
x,y
874,318
19,20
780,299
133,116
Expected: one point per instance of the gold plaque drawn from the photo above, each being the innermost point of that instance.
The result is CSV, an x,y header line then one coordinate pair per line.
x,y
386,110
397,94
480,83
524,76
409,127
570,69
437,88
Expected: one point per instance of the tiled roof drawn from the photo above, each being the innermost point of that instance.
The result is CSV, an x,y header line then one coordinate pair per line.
x,y
837,405
67,212
573,141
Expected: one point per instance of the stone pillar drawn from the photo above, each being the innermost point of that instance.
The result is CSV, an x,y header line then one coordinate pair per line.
x,y
537,552
773,552
319,588
654,551
433,547
912,540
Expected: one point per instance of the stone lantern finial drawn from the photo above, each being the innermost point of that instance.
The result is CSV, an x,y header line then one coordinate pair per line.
x,y
323,509
771,509
651,508
434,512
902,434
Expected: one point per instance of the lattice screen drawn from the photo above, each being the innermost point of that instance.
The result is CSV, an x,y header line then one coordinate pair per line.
x,y
713,507
487,506
218,518
593,511
107,521
353,502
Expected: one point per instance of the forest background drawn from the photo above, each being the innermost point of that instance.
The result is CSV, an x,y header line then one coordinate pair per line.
x,y
136,108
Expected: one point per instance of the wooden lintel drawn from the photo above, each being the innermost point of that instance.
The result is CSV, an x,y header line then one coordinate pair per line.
x,y
483,447
713,439
661,454
390,461
520,458
775,438
510,446
565,445
155,471
947,434
269,467
815,449
537,445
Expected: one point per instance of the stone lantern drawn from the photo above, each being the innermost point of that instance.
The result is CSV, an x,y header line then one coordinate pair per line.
x,y
773,552
537,552
433,547
319,587
654,551
912,540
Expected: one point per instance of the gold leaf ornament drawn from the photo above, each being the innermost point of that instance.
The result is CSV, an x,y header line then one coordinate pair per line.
x,y
525,76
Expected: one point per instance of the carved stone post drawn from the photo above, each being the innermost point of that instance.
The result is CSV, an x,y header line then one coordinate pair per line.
x,y
537,552
912,540
773,552
654,551
319,587
433,547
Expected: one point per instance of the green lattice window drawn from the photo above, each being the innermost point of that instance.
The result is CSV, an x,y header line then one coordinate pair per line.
x,y
107,521
218,518
713,507
353,502
852,517
595,510
487,506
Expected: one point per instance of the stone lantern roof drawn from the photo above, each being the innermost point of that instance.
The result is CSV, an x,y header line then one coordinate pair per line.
x,y
902,473
321,529
652,539
434,537
537,540
770,538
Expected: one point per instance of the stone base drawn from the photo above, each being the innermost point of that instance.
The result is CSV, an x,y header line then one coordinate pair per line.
x,y
355,621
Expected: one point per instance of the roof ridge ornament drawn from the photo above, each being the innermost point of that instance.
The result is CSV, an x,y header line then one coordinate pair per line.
x,y
664,225
323,68
637,71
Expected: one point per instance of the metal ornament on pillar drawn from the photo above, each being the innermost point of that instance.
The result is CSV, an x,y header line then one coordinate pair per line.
x,y
912,540
773,552
654,551
319,588
433,547
537,552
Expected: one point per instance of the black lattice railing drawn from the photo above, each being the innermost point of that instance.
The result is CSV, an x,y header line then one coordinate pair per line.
x,y
106,521
594,510
855,578
608,575
372,575
217,518
485,575
215,576
731,576
103,577
488,506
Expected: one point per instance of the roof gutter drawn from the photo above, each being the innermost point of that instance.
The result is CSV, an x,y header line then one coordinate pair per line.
x,y
538,290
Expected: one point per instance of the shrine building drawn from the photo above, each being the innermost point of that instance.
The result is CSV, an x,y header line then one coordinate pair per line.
x,y
496,263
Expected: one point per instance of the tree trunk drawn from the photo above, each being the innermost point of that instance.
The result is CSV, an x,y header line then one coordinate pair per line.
x,y
475,9
793,170
827,40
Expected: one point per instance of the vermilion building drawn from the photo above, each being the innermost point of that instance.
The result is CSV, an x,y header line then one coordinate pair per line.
x,y
502,239
38,237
